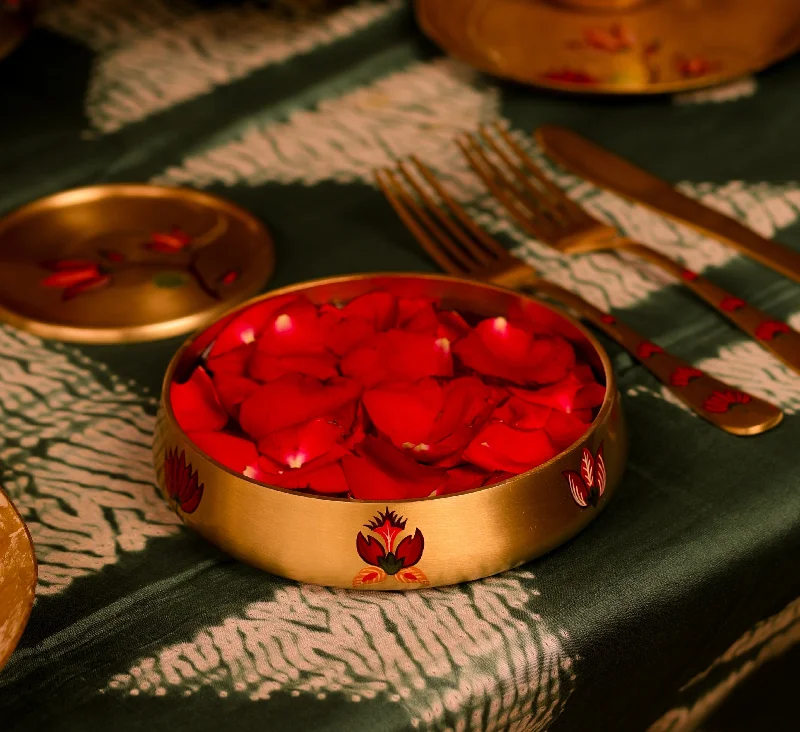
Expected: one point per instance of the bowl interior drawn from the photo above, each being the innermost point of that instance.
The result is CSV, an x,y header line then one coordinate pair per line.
x,y
466,296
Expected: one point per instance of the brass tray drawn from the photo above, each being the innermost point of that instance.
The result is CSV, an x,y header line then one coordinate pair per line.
x,y
615,46
121,263
17,577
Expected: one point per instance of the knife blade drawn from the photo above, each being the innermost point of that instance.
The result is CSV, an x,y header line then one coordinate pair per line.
x,y
610,171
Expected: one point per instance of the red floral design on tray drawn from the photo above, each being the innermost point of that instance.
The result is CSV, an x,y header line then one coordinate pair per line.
x,y
75,276
646,349
81,276
609,319
613,39
385,397
730,303
769,329
720,402
386,556
682,375
571,76
588,484
689,275
181,483
693,67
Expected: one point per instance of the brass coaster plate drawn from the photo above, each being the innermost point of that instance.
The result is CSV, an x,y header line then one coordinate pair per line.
x,y
17,577
124,263
615,46
16,19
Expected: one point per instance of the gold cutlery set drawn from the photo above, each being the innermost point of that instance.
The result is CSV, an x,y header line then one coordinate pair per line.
x,y
542,210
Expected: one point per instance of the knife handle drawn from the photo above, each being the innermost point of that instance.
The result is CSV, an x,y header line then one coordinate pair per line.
x,y
730,409
775,336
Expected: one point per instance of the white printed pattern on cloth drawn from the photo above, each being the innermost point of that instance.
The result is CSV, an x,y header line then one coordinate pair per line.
x,y
154,54
477,652
77,460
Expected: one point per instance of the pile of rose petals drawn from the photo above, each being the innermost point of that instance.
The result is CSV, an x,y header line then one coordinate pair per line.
x,y
385,397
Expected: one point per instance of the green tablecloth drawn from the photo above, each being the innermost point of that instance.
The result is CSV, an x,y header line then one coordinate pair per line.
x,y
677,608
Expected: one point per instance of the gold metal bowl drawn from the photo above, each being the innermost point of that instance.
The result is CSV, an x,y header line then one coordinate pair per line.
x,y
465,536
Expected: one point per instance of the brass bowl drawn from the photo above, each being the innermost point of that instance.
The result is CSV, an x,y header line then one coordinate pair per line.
x,y
466,535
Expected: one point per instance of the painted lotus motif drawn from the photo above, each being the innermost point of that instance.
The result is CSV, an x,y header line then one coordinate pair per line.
x,y
183,488
386,556
588,484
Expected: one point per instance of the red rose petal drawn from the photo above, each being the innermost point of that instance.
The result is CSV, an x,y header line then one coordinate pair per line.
x,y
232,390
523,415
452,326
462,479
567,395
499,348
233,452
293,330
468,404
405,413
293,399
380,308
498,477
248,325
196,406
564,429
500,447
343,334
327,479
296,446
380,471
398,356
266,367
233,361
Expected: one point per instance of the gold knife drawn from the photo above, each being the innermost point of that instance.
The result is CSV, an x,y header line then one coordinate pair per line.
x,y
610,171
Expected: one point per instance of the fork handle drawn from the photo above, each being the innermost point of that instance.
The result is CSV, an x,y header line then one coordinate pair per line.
x,y
775,336
725,406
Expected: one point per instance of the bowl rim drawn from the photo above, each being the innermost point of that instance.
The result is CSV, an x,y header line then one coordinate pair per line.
x,y
602,414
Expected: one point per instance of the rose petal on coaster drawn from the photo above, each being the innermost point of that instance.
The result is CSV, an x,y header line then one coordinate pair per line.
x,y
249,324
500,447
196,406
294,399
379,471
234,452
267,367
405,413
294,447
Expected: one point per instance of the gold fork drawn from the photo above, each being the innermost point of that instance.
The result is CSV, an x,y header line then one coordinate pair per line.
x,y
459,246
544,211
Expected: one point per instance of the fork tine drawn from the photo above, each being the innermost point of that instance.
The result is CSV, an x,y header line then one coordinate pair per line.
x,y
403,205
492,247
558,195
490,174
477,254
546,202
